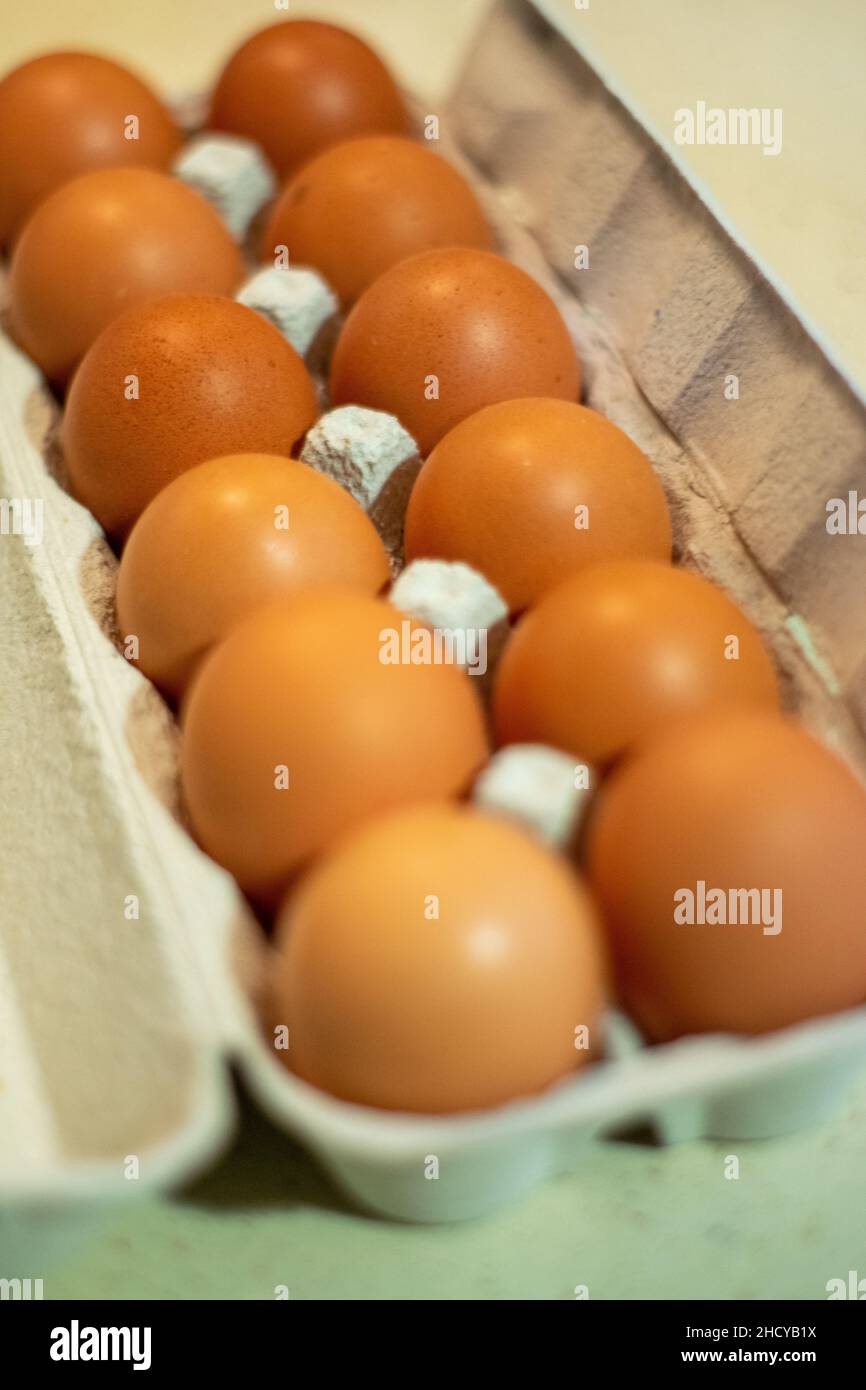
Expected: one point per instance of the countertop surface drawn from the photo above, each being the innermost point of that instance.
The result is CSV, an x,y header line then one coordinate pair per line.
x,y
634,1221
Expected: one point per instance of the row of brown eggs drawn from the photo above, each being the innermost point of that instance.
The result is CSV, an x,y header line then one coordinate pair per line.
x,y
431,957
294,88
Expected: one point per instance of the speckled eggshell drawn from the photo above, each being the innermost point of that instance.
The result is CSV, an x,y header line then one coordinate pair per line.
x,y
621,651
128,235
227,537
180,380
729,860
530,491
302,688
439,959
406,197
299,86
64,114
447,332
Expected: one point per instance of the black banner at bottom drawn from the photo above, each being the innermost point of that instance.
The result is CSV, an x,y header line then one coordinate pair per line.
x,y
159,1338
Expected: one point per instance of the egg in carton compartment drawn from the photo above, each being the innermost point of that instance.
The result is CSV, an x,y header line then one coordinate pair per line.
x,y
132,973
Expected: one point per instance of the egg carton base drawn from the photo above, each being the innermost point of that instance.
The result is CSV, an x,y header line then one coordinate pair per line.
x,y
686,1090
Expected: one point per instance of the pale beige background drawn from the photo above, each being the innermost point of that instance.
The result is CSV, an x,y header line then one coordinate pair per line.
x,y
801,214
181,44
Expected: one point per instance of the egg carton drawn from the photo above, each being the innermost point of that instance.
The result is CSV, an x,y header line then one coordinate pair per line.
x,y
131,970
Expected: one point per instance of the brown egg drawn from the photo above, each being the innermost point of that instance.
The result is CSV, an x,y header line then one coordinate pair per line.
x,y
446,333
729,858
104,243
65,114
299,86
618,652
296,730
438,960
530,491
170,384
230,536
406,198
